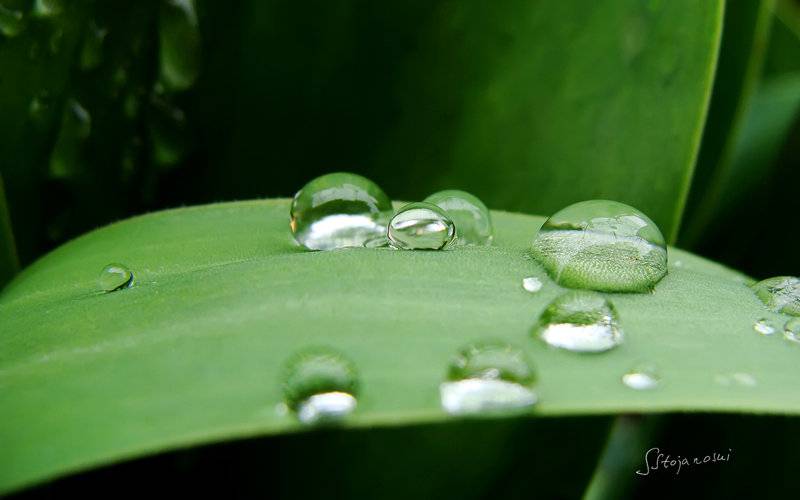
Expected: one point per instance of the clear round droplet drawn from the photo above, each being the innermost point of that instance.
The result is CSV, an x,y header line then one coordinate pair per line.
x,y
780,294
339,210
791,330
421,226
115,277
580,321
602,245
764,327
12,21
532,284
488,378
179,39
320,386
472,219
642,378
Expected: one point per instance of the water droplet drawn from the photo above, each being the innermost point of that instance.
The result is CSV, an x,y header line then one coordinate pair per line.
x,y
76,125
764,327
739,378
115,277
339,210
420,226
320,386
791,330
47,8
472,219
580,321
12,22
780,294
532,284
488,378
602,245
168,131
92,49
642,378
179,38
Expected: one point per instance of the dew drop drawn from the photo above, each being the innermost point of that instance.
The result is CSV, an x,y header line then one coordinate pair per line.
x,y
488,378
472,219
421,226
780,294
339,210
580,321
47,8
642,378
115,277
179,38
764,327
320,386
12,22
791,330
76,126
92,48
602,245
532,284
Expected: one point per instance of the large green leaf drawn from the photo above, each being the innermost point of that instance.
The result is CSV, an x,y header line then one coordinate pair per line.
x,y
9,265
192,353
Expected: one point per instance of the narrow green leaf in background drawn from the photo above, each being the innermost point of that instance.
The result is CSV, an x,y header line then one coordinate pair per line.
x,y
9,264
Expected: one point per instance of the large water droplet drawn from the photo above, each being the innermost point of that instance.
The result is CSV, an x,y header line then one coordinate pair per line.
x,y
488,378
642,378
12,21
764,327
320,386
602,245
76,125
580,321
339,210
179,38
780,294
47,8
472,219
115,277
532,284
791,330
421,226
92,48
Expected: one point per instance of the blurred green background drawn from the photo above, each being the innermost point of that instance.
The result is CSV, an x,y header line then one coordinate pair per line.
x,y
687,110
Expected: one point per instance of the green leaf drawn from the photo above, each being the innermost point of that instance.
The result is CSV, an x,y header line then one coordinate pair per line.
x,y
9,265
193,352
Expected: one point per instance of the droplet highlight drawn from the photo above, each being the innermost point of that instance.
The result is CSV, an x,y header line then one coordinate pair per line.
x,y
320,386
602,245
780,294
115,277
470,215
642,378
580,321
420,226
764,326
531,284
179,38
791,330
338,211
487,379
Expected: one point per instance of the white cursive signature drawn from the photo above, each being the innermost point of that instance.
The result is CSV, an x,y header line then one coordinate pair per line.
x,y
655,460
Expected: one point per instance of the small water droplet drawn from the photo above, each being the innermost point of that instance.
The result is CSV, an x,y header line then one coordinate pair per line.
x,y
642,378
764,327
780,294
179,38
472,219
12,22
76,126
420,226
602,245
337,211
532,284
791,330
738,378
488,378
580,321
92,48
320,386
115,277
47,8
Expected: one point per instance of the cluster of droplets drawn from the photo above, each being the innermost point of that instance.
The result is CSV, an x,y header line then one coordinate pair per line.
x,y
780,295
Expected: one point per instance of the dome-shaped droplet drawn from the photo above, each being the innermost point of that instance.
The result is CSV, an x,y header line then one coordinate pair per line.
x,y
472,219
764,327
12,21
421,226
320,386
115,277
780,294
642,378
531,284
339,210
179,39
791,330
488,378
602,245
580,321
